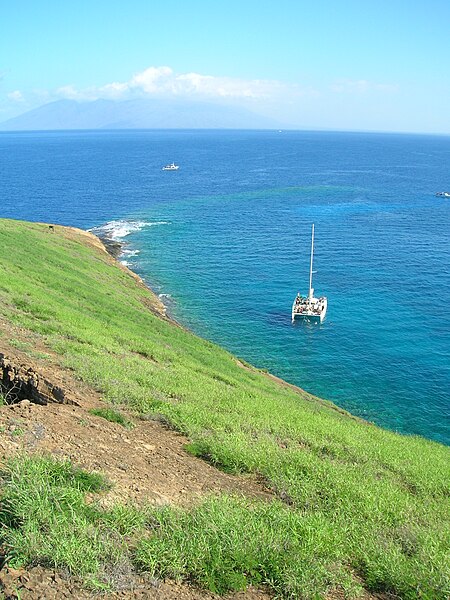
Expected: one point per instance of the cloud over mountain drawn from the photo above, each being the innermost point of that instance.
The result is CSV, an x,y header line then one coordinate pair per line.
x,y
163,81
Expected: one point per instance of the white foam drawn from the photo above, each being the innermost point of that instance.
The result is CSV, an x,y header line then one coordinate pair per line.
x,y
117,230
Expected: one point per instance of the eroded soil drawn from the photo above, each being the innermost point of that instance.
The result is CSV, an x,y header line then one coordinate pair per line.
x,y
147,464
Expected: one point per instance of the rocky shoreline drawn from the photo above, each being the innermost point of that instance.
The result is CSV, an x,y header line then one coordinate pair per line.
x,y
114,247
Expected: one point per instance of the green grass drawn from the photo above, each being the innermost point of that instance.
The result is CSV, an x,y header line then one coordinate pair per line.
x,y
46,520
355,502
24,346
228,543
112,415
17,432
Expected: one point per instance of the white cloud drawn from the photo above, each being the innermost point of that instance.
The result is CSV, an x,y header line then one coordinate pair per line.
x,y
163,81
113,90
16,96
153,80
70,92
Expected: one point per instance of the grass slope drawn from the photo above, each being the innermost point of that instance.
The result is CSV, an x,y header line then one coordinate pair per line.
x,y
355,503
46,520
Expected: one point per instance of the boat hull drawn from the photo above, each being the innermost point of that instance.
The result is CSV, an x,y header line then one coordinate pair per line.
x,y
305,317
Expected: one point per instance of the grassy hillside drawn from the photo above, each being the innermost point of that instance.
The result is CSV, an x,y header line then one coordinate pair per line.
x,y
354,506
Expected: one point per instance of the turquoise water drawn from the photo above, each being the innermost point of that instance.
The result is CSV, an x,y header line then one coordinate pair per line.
x,y
226,241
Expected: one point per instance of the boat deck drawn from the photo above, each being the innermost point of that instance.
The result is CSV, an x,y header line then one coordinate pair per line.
x,y
305,307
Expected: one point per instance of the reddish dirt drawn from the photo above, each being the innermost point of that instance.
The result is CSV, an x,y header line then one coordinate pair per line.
x,y
147,464
38,583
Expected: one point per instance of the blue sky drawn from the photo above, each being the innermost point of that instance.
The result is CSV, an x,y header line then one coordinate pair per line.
x,y
342,64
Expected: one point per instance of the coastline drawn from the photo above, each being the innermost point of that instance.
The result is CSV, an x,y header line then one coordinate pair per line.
x,y
378,398
331,362
115,249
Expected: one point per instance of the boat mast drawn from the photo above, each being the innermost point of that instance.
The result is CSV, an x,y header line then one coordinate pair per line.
x,y
311,290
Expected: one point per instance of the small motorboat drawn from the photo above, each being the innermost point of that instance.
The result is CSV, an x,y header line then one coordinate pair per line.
x,y
171,167
443,194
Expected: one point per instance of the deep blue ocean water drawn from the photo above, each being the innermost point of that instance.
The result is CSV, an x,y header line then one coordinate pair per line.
x,y
226,238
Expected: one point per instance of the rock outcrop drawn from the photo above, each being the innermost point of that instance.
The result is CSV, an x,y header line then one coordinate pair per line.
x,y
20,382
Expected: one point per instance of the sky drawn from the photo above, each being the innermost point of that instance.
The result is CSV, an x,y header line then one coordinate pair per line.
x,y
371,65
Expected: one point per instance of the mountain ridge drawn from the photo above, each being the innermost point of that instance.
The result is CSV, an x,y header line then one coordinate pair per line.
x,y
138,113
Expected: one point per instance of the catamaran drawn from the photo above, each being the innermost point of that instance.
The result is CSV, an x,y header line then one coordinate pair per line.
x,y
308,307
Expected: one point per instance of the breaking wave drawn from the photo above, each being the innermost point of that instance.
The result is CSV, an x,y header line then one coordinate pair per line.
x,y
118,230
128,252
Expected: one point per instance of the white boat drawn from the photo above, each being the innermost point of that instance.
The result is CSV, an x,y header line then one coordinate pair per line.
x,y
443,194
171,167
310,308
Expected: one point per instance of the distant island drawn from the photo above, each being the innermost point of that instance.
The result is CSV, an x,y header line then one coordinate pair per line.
x,y
136,114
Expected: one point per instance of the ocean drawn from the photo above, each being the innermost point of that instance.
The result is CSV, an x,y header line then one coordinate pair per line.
x,y
225,241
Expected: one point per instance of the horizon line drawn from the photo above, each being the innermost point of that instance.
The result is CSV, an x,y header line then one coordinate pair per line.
x,y
250,129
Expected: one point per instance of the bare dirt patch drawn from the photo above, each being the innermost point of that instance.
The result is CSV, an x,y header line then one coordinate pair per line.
x,y
145,465
43,584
